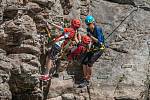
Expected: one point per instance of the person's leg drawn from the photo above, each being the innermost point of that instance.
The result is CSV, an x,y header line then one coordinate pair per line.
x,y
93,58
58,63
86,76
89,66
84,71
48,65
89,73
51,56
45,75
84,60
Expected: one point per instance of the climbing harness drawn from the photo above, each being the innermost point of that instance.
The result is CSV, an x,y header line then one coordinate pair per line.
x,y
102,48
65,48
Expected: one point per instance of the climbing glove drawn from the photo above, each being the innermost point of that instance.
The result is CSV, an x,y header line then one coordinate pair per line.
x,y
102,47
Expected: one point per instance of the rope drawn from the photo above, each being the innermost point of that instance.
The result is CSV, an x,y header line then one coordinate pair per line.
x,y
49,35
119,81
89,93
48,32
121,23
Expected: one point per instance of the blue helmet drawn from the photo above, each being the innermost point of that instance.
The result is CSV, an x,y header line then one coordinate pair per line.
x,y
89,19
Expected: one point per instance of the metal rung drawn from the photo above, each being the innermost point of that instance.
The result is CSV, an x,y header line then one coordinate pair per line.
x,y
103,77
127,66
148,43
68,77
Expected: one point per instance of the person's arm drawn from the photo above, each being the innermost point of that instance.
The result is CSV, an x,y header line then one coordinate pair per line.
x,y
61,37
100,36
93,38
77,38
57,26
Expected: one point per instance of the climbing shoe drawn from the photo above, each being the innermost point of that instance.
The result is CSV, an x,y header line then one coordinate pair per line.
x,y
84,84
45,77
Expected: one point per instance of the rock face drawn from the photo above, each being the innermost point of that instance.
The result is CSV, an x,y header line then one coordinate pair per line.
x,y
122,73
20,42
6,67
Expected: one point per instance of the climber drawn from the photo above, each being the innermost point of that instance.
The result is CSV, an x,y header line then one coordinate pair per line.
x,y
75,24
82,47
96,34
58,43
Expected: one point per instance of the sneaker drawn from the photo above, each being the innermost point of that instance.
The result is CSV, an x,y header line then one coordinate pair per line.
x,y
84,84
45,77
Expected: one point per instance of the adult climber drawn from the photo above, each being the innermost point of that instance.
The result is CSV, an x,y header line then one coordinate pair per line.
x,y
58,43
96,34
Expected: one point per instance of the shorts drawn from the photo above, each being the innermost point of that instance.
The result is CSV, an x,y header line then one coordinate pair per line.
x,y
90,58
52,53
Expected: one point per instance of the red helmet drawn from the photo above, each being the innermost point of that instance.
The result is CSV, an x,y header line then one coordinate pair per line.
x,y
75,23
71,32
86,39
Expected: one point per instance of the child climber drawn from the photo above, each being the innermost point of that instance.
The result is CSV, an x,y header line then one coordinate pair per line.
x,y
82,47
